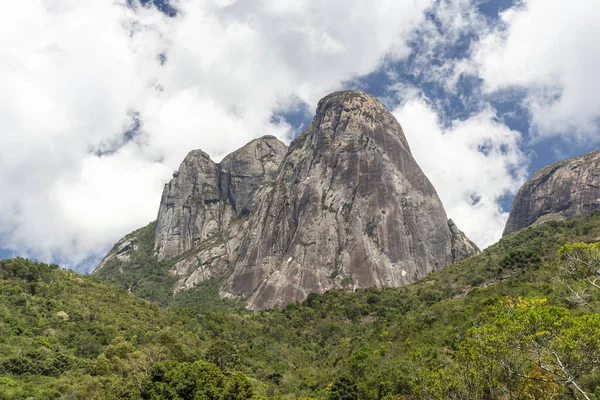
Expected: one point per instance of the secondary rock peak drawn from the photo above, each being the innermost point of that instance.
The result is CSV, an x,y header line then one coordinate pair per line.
x,y
562,190
203,197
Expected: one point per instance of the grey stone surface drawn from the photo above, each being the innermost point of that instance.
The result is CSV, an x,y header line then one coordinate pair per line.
x,y
561,190
346,206
203,197
212,259
210,262
192,209
461,246
349,208
243,171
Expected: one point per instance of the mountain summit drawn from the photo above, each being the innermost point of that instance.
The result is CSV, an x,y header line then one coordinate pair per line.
x,y
349,207
345,206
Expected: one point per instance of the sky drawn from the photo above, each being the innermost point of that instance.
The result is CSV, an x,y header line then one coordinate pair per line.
x,y
100,100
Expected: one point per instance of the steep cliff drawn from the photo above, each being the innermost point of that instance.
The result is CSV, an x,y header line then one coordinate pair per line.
x,y
561,190
203,197
191,208
346,206
349,207
203,208
243,171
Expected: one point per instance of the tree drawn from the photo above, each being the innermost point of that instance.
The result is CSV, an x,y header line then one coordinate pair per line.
x,y
579,270
238,387
344,388
186,381
530,347
223,354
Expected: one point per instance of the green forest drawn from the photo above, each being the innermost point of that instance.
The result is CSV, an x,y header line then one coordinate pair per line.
x,y
519,321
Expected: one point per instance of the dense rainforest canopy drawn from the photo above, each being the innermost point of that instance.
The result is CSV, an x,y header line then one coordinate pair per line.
x,y
519,321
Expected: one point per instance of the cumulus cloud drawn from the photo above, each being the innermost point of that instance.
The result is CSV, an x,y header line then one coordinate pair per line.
x,y
472,164
101,100
551,50
544,52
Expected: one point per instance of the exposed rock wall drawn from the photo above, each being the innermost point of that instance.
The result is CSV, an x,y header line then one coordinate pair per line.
x,y
203,197
243,171
350,207
191,208
562,190
346,206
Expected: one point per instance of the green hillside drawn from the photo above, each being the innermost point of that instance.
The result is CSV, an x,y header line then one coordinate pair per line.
x,y
147,277
517,322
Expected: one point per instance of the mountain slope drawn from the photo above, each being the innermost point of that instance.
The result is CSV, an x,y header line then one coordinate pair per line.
x,y
67,336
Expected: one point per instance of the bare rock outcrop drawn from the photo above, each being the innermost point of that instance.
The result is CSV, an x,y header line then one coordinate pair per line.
x,y
121,250
562,190
462,247
345,206
192,209
204,197
212,259
128,254
349,208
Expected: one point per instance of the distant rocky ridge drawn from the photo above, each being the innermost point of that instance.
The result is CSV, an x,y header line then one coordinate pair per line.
x,y
346,206
562,190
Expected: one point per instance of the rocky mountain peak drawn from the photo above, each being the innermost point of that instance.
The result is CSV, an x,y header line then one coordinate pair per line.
x,y
355,111
349,207
244,170
345,206
561,190
203,196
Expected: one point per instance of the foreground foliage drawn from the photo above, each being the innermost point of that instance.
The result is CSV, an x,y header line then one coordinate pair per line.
x,y
519,321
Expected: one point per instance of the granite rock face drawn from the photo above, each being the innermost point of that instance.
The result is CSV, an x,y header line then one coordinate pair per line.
x,y
120,251
191,208
462,247
349,208
561,190
212,260
345,206
203,197
243,171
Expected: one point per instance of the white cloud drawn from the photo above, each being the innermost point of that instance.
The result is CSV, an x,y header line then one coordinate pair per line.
x,y
73,72
551,49
471,163
441,55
